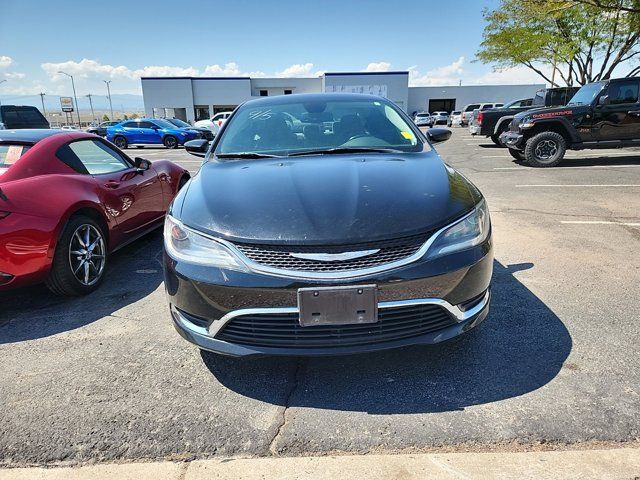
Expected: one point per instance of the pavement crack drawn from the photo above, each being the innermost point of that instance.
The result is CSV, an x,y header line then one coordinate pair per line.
x,y
282,422
182,474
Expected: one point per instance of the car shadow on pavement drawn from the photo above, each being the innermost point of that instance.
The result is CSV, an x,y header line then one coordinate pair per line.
x,y
35,312
520,347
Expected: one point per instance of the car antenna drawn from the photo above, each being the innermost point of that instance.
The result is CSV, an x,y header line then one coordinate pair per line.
x,y
3,196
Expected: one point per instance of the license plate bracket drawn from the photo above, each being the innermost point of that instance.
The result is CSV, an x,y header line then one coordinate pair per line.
x,y
346,305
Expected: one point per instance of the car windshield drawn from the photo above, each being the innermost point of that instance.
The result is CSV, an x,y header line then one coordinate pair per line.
x,y
586,94
422,115
178,123
309,125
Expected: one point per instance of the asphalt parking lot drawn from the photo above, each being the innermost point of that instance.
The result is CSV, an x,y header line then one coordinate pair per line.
x,y
557,361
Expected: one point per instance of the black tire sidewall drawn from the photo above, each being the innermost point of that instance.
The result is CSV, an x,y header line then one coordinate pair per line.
x,y
532,143
61,280
124,146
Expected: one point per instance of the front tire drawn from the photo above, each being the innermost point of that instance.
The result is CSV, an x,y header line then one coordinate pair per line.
x,y
170,141
120,142
80,258
546,149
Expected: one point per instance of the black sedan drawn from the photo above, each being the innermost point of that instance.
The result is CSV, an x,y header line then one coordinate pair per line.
x,y
101,129
204,132
344,234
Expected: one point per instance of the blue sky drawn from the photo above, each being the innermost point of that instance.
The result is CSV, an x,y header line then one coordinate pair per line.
x,y
123,40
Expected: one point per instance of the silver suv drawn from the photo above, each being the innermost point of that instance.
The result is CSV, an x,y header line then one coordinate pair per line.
x,y
467,111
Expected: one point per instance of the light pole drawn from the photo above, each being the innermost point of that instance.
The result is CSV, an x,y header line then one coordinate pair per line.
x,y
2,81
93,116
73,86
44,111
109,96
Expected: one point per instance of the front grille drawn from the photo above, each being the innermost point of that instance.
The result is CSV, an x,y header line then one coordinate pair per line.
x,y
278,256
284,331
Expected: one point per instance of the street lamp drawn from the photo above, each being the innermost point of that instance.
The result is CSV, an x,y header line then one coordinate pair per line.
x,y
109,96
73,85
2,81
93,115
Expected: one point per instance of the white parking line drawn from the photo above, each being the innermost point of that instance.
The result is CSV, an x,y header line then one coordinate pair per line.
x,y
618,185
599,222
569,168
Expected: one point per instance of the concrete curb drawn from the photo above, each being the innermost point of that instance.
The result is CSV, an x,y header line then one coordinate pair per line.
x,y
614,464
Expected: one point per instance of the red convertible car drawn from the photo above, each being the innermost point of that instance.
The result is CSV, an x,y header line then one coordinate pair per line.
x,y
67,200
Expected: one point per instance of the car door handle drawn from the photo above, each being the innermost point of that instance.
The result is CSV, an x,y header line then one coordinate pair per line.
x,y
634,112
112,184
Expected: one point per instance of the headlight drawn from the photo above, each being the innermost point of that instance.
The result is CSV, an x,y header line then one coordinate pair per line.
x,y
184,244
465,233
526,123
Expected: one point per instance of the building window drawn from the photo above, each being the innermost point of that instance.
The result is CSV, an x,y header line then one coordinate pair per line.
x,y
264,93
288,92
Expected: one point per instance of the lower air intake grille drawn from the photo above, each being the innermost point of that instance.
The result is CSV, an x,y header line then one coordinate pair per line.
x,y
284,331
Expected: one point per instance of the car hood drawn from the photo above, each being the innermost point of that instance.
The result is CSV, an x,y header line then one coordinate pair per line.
x,y
549,112
326,200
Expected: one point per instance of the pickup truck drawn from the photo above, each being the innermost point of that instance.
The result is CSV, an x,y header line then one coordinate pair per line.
x,y
491,123
603,114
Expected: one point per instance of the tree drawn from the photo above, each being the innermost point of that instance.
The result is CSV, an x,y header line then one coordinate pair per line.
x,y
581,41
105,118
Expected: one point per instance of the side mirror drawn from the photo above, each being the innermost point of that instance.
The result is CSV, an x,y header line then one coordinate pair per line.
x,y
141,164
437,135
197,147
604,100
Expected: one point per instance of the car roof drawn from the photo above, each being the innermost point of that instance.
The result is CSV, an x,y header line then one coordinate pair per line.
x,y
28,135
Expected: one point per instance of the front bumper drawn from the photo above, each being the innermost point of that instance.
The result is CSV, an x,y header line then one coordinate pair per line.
x,y
474,129
512,140
207,303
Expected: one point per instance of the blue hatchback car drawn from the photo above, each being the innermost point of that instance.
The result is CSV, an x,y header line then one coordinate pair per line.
x,y
149,131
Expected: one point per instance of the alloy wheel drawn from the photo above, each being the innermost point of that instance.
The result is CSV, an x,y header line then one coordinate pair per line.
x,y
546,149
87,254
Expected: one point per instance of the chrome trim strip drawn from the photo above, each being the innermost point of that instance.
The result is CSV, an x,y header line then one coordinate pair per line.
x,y
453,310
278,272
334,257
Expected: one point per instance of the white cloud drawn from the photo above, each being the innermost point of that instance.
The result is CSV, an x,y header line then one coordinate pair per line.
x,y
296,70
5,61
91,68
445,75
14,75
378,67
230,69
514,75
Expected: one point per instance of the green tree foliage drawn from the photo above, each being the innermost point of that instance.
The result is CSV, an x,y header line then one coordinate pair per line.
x,y
105,118
584,40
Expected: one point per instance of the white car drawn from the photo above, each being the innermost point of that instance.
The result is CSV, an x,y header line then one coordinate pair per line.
x,y
454,118
214,123
423,119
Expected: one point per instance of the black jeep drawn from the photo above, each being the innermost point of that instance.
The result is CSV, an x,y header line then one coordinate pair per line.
x,y
603,114
495,121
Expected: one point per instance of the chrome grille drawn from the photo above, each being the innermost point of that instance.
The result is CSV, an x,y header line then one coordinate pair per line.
x,y
279,256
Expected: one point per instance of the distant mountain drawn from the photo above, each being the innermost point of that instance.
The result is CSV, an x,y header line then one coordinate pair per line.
x,y
121,102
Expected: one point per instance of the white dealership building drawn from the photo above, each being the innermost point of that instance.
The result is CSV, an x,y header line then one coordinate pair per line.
x,y
197,98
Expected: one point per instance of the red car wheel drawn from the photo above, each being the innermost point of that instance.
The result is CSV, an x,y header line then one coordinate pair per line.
x,y
80,258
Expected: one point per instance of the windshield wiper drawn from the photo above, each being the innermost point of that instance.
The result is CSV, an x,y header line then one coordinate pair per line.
x,y
338,150
245,155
